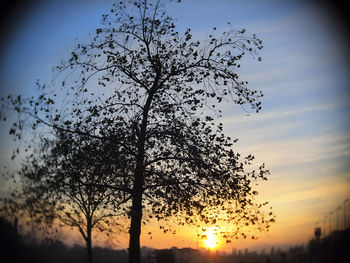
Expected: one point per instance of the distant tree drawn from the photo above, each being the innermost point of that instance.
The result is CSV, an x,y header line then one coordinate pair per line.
x,y
154,93
66,181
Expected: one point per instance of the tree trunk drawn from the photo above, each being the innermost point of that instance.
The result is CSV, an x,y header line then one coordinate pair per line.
x,y
89,243
136,209
135,226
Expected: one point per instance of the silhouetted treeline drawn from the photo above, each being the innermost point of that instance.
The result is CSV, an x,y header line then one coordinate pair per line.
x,y
16,248
331,249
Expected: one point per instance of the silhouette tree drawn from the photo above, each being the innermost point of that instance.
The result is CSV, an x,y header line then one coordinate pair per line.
x,y
65,181
153,93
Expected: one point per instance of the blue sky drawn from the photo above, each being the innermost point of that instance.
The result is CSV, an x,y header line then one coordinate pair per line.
x,y
303,131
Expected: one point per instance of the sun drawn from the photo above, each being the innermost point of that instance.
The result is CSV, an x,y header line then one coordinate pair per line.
x,y
211,242
210,238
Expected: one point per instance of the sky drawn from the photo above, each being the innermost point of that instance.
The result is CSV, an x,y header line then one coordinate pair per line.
x,y
302,133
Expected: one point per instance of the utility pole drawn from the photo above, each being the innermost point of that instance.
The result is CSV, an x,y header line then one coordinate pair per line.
x,y
345,224
337,218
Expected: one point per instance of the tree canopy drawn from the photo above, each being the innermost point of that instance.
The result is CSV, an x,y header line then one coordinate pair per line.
x,y
153,94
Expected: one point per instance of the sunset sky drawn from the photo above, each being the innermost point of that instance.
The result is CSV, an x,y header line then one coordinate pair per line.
x,y
302,133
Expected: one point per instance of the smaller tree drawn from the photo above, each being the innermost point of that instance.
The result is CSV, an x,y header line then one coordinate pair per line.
x,y
66,180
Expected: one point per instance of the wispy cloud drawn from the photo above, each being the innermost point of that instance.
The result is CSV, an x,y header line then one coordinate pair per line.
x,y
282,114
297,151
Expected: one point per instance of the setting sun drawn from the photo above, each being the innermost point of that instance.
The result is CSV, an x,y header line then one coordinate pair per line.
x,y
210,239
